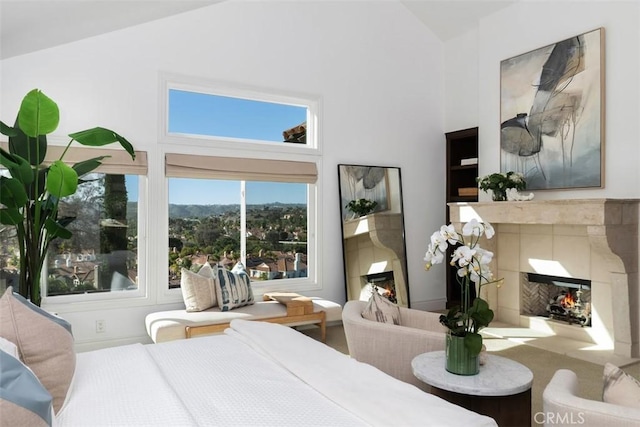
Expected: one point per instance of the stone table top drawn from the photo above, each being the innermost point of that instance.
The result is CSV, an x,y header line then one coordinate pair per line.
x,y
499,376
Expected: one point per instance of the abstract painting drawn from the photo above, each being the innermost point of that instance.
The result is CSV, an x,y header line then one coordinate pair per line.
x,y
552,114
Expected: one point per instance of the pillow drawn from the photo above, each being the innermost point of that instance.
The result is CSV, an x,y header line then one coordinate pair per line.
x,y
620,388
233,288
380,309
23,399
44,341
198,289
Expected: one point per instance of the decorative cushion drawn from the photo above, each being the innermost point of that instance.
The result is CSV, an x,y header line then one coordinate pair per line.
x,y
233,288
380,309
198,289
23,399
620,388
44,341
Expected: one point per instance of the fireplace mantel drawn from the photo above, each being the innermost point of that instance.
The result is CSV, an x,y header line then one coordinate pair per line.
x,y
561,212
611,231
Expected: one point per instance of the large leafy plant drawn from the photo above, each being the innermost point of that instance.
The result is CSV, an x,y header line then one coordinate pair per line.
x,y
472,262
29,196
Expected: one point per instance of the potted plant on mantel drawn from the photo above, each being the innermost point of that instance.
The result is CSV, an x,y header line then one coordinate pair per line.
x,y
464,343
361,207
30,195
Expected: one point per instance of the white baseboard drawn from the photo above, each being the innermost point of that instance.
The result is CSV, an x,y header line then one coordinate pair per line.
x,y
97,345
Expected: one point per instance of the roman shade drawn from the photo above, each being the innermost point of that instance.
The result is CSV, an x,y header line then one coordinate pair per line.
x,y
118,162
235,168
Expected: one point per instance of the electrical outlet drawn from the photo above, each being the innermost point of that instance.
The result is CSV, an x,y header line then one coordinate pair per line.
x,y
101,326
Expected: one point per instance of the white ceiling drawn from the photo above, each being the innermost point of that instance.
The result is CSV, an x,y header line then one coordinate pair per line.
x,y
31,25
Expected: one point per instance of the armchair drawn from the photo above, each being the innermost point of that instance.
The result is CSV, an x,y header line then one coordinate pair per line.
x,y
563,406
389,347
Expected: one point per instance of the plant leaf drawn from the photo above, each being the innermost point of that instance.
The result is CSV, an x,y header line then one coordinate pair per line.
x,y
62,180
98,136
56,229
12,193
7,130
473,342
87,166
18,167
32,149
38,114
10,216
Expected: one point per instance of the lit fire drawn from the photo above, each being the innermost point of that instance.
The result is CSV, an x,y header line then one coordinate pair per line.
x,y
568,301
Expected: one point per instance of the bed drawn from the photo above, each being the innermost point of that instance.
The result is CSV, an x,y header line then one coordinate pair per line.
x,y
255,374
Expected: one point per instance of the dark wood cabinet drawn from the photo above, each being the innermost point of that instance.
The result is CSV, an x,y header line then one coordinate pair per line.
x,y
462,171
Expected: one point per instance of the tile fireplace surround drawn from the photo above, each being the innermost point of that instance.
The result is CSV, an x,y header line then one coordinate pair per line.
x,y
593,239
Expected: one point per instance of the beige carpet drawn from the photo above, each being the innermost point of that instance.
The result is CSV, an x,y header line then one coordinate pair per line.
x,y
542,363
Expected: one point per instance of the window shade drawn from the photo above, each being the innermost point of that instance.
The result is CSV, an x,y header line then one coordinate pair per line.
x,y
118,162
191,166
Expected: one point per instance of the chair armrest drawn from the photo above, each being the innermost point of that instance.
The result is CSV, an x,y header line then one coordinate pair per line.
x,y
419,319
562,406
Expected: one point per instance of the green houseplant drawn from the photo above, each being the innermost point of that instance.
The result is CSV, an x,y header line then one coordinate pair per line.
x,y
29,196
472,262
362,207
499,183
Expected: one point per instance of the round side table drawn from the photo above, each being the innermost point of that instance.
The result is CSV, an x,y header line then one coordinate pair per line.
x,y
501,390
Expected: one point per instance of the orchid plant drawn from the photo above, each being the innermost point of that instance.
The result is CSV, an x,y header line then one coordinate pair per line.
x,y
472,263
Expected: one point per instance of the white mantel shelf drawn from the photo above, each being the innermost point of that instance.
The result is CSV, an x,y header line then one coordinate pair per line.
x,y
561,212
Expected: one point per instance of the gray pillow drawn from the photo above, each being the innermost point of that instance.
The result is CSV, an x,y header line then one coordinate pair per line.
x,y
23,399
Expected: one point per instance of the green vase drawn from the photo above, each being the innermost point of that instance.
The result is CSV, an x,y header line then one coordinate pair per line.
x,y
458,358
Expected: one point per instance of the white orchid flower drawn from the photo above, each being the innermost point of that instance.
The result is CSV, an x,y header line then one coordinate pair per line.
x,y
463,256
472,228
439,242
484,256
488,230
449,233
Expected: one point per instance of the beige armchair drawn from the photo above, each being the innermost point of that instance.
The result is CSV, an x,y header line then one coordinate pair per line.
x,y
562,406
389,347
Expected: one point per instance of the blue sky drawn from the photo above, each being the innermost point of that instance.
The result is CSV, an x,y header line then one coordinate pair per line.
x,y
213,115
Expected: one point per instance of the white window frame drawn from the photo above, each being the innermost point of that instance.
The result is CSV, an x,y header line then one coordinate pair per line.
x,y
236,147
213,87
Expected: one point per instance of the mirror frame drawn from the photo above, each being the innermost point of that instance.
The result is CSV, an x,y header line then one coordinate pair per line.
x,y
389,200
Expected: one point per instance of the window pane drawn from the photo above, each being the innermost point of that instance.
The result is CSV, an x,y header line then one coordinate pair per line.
x,y
101,255
276,230
206,225
223,116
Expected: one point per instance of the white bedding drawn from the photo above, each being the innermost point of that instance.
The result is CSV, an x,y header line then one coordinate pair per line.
x,y
258,374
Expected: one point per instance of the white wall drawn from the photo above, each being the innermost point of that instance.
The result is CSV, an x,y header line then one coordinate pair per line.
x,y
376,68
473,77
473,73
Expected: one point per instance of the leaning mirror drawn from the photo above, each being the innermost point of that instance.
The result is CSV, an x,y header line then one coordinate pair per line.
x,y
373,242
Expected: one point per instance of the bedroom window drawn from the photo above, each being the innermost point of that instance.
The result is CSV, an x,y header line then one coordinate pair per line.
x,y
254,211
101,259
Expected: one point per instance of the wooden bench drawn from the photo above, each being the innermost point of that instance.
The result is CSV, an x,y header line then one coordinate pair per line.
x,y
299,310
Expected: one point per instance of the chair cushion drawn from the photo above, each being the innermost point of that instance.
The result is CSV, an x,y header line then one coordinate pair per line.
x,y
380,309
620,388
44,341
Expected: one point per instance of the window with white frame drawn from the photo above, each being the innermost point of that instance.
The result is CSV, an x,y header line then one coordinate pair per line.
x,y
101,258
238,207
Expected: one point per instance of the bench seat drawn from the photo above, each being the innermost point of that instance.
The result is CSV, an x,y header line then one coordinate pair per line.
x,y
179,324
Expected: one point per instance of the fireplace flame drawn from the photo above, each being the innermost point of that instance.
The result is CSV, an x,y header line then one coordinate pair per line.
x,y
568,301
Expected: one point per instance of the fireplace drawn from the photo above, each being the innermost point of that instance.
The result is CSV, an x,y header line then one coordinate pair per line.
x,y
562,299
383,283
593,239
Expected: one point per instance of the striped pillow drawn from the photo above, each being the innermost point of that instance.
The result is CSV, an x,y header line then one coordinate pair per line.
x,y
233,288
620,388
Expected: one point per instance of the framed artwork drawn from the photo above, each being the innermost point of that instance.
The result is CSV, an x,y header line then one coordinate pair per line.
x,y
552,114
363,182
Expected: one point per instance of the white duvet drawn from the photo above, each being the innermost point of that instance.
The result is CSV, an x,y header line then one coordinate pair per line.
x,y
257,374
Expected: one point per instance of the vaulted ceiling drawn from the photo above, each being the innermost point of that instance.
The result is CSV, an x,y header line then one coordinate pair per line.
x,y
30,25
